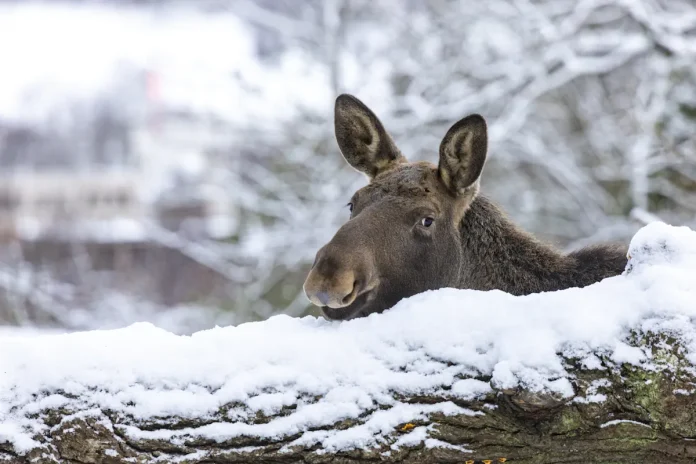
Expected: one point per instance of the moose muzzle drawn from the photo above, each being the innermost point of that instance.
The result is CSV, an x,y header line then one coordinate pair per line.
x,y
338,277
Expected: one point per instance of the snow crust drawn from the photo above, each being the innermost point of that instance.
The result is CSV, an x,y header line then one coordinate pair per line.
x,y
456,343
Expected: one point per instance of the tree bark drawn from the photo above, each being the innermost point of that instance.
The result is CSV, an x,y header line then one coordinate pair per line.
x,y
619,414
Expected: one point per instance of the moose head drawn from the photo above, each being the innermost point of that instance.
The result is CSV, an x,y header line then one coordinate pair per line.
x,y
404,234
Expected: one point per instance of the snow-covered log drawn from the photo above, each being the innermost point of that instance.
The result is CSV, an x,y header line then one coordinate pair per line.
x,y
600,374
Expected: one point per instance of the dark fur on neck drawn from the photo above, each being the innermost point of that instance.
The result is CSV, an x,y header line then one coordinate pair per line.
x,y
500,255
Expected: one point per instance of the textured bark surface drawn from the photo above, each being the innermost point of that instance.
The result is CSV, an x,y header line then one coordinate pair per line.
x,y
645,415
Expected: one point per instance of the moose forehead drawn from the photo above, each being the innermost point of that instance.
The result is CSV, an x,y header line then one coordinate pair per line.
x,y
412,181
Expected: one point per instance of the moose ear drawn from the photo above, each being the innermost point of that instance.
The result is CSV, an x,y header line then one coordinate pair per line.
x,y
463,153
362,139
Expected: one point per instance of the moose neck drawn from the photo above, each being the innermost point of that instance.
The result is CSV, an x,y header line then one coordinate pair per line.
x,y
497,254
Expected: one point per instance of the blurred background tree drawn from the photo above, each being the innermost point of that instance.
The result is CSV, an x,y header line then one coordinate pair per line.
x,y
195,139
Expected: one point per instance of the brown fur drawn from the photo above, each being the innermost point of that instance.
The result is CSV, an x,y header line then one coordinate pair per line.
x,y
390,250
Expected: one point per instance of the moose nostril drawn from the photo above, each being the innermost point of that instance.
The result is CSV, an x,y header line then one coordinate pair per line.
x,y
323,297
350,296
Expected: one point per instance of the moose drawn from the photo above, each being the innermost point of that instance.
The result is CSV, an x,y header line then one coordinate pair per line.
x,y
416,227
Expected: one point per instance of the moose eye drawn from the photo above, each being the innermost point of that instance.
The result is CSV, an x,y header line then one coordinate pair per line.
x,y
427,221
350,207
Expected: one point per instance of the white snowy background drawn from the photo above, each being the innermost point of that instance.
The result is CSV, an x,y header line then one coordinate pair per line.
x,y
226,106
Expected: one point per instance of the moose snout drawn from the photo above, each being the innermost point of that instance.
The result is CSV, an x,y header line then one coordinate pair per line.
x,y
335,291
338,277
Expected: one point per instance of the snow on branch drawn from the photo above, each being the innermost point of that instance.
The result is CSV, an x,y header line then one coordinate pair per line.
x,y
444,375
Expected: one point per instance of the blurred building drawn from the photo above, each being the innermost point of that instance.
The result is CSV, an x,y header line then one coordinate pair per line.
x,y
105,166
62,203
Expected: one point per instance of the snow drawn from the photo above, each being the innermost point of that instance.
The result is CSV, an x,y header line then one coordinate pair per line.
x,y
591,393
7,331
623,421
460,344
421,435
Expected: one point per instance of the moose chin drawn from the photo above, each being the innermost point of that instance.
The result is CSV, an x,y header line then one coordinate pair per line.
x,y
417,226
